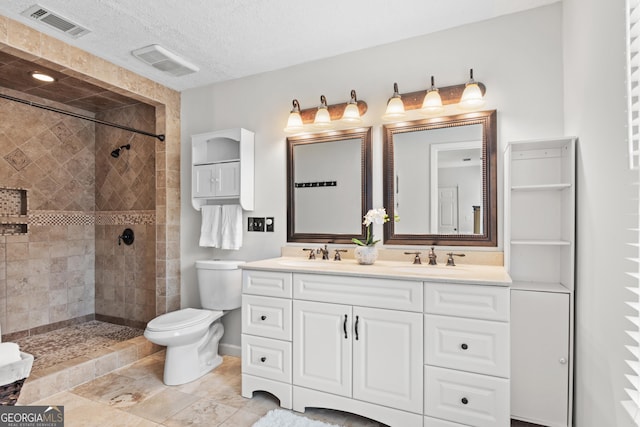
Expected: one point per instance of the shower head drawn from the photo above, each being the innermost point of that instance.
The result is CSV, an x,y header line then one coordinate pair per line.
x,y
116,153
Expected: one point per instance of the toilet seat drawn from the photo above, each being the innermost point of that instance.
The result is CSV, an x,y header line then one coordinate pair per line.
x,y
182,319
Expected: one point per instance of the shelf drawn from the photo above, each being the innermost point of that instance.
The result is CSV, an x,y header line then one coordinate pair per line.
x,y
216,162
520,285
533,242
541,187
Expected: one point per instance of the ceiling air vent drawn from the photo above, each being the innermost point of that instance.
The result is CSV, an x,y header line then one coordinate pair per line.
x,y
165,61
39,13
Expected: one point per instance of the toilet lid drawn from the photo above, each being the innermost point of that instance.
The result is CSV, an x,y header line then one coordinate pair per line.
x,y
179,319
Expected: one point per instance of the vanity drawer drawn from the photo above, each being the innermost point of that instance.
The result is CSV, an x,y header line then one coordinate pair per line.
x,y
363,291
476,301
436,422
473,345
268,283
466,398
266,358
267,317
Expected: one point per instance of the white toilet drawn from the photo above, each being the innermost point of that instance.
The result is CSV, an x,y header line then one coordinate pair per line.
x,y
191,335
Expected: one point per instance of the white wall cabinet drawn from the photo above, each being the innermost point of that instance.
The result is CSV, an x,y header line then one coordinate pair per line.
x,y
222,168
540,257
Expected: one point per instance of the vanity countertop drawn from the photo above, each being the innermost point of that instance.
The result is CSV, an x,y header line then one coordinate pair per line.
x,y
461,273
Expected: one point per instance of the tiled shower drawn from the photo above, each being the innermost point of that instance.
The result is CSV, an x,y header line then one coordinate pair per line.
x,y
68,266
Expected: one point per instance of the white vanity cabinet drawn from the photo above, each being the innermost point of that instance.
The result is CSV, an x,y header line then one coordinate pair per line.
x,y
403,352
466,347
540,257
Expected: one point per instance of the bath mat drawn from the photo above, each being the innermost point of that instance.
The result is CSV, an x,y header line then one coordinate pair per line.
x,y
282,418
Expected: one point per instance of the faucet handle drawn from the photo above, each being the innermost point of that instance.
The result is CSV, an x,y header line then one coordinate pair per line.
x,y
450,259
416,259
312,253
337,256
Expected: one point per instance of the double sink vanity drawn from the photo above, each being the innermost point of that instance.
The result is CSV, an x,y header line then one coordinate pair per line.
x,y
403,344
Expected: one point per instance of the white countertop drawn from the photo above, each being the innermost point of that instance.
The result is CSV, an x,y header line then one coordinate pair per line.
x,y
462,273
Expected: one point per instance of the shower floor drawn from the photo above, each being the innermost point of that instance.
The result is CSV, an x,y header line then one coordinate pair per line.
x,y
59,346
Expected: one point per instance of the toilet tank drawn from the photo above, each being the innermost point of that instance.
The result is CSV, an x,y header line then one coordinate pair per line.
x,y
220,284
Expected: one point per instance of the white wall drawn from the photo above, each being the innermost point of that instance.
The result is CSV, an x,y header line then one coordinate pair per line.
x,y
595,105
518,57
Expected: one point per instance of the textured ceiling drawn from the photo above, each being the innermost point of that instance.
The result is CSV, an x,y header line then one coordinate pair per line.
x,y
229,39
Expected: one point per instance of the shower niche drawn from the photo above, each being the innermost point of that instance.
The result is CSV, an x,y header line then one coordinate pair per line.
x,y
13,211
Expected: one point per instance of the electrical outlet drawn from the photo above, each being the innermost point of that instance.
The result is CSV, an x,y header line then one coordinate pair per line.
x,y
255,224
269,224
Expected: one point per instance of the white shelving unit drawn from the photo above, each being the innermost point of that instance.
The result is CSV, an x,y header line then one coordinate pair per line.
x,y
540,257
222,166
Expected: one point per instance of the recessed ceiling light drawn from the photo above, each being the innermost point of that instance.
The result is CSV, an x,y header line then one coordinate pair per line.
x,y
42,77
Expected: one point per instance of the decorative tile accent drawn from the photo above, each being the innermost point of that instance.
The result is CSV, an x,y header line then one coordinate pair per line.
x,y
17,159
13,201
125,217
45,218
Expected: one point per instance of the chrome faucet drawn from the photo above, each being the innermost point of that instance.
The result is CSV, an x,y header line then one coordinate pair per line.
x,y
416,259
324,251
432,257
450,259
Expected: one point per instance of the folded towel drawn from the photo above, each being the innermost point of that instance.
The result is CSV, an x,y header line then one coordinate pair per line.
x,y
210,228
231,227
9,353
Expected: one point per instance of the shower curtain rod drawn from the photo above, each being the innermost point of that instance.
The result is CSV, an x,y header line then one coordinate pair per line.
x,y
80,116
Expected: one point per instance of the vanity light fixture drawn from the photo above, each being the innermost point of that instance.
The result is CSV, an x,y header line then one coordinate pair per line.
x,y
42,77
351,112
323,118
294,123
471,98
432,103
395,107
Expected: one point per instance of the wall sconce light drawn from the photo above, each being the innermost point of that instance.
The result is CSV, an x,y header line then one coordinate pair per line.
x,y
432,103
395,106
469,96
472,98
323,118
294,123
351,112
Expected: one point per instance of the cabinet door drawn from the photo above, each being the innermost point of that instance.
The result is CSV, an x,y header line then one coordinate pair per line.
x,y
204,181
322,346
387,358
228,179
539,357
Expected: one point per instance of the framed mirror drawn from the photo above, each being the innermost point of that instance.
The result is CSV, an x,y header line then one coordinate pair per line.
x,y
440,178
328,185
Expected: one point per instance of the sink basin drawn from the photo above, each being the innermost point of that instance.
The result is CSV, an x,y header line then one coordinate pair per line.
x,y
304,263
430,269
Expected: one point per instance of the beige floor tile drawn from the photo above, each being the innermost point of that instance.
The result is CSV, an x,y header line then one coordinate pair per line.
x,y
205,413
241,418
163,405
120,391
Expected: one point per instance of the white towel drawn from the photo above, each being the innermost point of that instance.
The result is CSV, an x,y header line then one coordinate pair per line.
x,y
231,228
9,353
210,228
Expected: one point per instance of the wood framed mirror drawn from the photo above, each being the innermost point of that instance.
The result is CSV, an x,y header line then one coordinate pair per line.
x,y
440,178
328,185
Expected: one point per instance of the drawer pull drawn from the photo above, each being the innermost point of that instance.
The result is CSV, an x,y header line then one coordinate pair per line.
x,y
356,328
464,346
263,317
344,326
263,359
464,400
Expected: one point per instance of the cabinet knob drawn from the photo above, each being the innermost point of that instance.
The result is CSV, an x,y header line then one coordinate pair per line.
x,y
563,361
464,400
263,317
263,359
464,346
